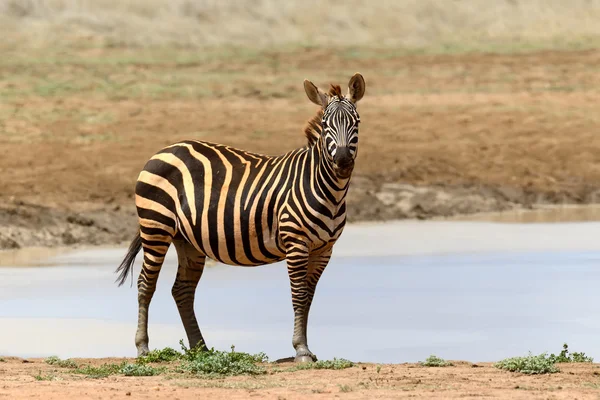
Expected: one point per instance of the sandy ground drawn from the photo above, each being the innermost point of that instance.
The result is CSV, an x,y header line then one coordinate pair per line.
x,y
20,379
441,135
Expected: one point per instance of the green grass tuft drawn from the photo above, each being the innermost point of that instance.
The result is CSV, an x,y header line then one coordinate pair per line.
x,y
336,363
42,377
56,361
434,361
532,365
140,370
165,355
102,371
211,362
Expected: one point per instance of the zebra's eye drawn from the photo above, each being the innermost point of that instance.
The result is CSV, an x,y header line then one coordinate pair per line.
x,y
324,124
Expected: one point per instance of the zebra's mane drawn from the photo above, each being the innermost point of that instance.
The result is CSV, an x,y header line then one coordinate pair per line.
x,y
336,91
313,128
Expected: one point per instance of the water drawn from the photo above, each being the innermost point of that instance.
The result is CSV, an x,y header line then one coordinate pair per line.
x,y
394,292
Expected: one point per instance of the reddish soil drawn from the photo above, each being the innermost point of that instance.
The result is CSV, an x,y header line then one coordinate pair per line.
x,y
441,135
36,379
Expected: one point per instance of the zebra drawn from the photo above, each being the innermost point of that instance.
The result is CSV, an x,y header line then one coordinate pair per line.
x,y
247,209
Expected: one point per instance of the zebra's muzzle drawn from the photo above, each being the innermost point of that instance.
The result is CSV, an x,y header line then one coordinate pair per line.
x,y
343,162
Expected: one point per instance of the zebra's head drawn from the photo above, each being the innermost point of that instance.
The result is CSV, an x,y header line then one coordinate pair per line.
x,y
339,125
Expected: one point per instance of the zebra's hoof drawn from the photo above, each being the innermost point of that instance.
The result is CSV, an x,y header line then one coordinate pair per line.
x,y
143,351
303,359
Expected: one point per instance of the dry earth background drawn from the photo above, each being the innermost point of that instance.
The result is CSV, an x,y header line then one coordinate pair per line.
x,y
471,106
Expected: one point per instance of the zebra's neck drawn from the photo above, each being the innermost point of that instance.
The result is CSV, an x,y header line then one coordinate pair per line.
x,y
328,189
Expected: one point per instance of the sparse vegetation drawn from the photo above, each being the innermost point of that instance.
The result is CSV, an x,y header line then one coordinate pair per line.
x,y
565,357
336,363
531,364
102,371
158,356
44,377
196,361
211,362
542,363
56,361
125,368
140,370
345,388
2,359
434,361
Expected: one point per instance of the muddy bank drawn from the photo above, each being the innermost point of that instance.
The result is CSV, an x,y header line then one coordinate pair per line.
x,y
27,224
33,225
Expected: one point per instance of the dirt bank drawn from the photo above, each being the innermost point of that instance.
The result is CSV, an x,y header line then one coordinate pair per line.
x,y
27,224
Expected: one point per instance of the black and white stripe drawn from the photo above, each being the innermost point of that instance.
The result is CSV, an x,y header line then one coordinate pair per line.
x,y
247,209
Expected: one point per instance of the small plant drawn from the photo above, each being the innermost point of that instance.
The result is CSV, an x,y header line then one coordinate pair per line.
x,y
336,363
139,370
156,356
565,357
434,361
345,388
378,369
540,364
192,353
54,360
41,377
102,371
220,363
2,359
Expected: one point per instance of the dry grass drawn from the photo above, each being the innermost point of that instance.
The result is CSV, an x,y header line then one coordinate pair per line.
x,y
452,25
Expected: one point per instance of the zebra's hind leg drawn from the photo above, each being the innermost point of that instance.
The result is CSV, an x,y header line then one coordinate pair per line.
x,y
189,272
155,248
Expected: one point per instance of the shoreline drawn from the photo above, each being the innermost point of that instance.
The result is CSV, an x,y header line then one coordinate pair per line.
x,y
30,225
398,237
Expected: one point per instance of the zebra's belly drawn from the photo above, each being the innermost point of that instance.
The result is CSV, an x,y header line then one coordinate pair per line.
x,y
242,247
262,255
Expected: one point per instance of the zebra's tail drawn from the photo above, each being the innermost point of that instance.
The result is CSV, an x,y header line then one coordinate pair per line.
x,y
127,263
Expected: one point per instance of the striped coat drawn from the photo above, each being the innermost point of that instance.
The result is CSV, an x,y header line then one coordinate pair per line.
x,y
247,209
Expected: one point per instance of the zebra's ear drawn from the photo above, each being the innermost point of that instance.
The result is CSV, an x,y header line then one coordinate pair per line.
x,y
314,94
356,88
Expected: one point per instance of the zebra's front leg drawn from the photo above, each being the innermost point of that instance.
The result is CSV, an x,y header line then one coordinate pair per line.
x,y
316,266
297,262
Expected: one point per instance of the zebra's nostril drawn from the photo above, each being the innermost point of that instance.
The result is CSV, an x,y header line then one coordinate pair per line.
x,y
343,157
344,163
